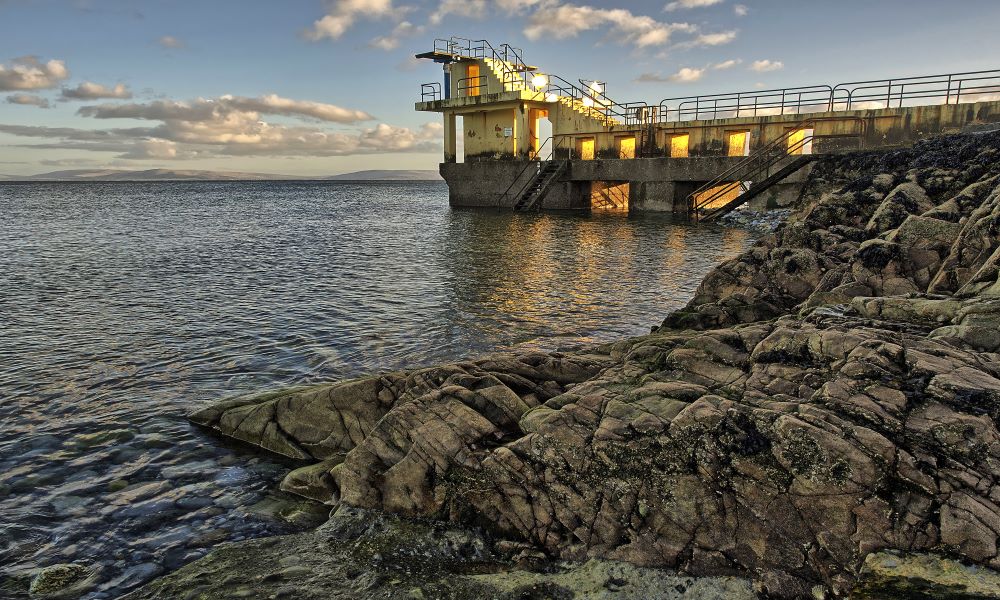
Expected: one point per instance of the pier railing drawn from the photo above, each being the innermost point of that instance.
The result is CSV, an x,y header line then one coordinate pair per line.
x,y
952,88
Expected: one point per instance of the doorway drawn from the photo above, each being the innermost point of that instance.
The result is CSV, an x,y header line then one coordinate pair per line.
x,y
539,132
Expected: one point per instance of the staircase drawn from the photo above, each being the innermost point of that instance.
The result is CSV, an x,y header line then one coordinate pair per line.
x,y
532,193
756,188
510,76
758,172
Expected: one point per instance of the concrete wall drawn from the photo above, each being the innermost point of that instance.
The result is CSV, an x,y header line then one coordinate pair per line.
x,y
483,184
656,184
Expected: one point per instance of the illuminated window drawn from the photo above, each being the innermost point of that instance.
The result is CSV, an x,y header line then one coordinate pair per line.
x,y
738,143
585,148
626,147
800,142
679,145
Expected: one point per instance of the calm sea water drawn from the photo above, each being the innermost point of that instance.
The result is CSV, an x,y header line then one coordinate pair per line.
x,y
124,306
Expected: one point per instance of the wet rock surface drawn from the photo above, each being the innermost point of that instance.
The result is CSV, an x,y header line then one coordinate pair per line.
x,y
362,554
830,394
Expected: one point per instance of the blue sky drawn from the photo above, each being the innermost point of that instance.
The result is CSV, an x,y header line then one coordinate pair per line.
x,y
314,88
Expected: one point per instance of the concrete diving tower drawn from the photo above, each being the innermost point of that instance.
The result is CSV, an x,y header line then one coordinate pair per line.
x,y
699,156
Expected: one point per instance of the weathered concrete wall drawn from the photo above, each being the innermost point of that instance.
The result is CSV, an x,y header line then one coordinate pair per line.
x,y
653,181
483,185
484,133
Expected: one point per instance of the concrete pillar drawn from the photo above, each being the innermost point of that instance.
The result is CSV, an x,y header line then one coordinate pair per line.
x,y
450,146
522,141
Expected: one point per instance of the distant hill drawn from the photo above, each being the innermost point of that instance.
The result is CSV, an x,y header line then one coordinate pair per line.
x,y
196,175
396,175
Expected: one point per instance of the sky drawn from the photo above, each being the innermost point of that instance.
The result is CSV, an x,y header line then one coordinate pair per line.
x,y
314,87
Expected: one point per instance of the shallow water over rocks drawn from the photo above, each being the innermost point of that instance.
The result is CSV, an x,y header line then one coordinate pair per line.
x,y
124,306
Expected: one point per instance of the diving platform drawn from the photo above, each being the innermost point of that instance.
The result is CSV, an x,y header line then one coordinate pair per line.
x,y
533,140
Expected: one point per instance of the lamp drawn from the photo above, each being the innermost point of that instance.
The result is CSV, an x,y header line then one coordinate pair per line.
x,y
539,81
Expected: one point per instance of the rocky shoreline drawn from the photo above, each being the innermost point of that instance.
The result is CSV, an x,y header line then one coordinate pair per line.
x,y
821,420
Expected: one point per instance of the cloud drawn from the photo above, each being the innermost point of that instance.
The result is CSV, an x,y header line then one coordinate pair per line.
x,y
343,14
29,73
94,91
763,66
569,20
462,8
688,4
687,75
726,64
715,39
684,75
169,41
229,126
391,40
226,107
740,10
710,39
28,100
517,6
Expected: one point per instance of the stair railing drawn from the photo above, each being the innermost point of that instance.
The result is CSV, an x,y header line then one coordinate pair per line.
x,y
532,161
754,164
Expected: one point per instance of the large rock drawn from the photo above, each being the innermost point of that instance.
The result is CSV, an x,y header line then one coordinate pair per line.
x,y
359,554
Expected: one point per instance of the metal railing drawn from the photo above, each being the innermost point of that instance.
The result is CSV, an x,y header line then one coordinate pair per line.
x,y
430,91
891,92
741,104
881,93
756,163
472,86
534,161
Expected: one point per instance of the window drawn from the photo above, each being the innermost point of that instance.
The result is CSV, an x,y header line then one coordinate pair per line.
x,y
679,145
585,148
626,147
738,143
800,141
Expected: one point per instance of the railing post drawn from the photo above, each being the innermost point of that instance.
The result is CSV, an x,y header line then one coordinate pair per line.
x,y
888,97
947,96
958,92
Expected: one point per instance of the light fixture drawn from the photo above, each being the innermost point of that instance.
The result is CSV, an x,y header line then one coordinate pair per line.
x,y
588,101
551,97
539,81
597,86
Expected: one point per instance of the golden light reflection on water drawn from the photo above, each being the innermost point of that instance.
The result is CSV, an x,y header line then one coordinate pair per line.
x,y
570,276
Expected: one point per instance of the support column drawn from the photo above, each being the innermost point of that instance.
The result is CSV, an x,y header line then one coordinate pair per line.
x,y
450,146
521,141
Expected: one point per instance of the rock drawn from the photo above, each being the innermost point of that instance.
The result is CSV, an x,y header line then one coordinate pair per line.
x,y
117,485
67,580
313,481
368,555
887,576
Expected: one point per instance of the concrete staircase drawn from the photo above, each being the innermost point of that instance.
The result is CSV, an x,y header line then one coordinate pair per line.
x,y
532,194
503,72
